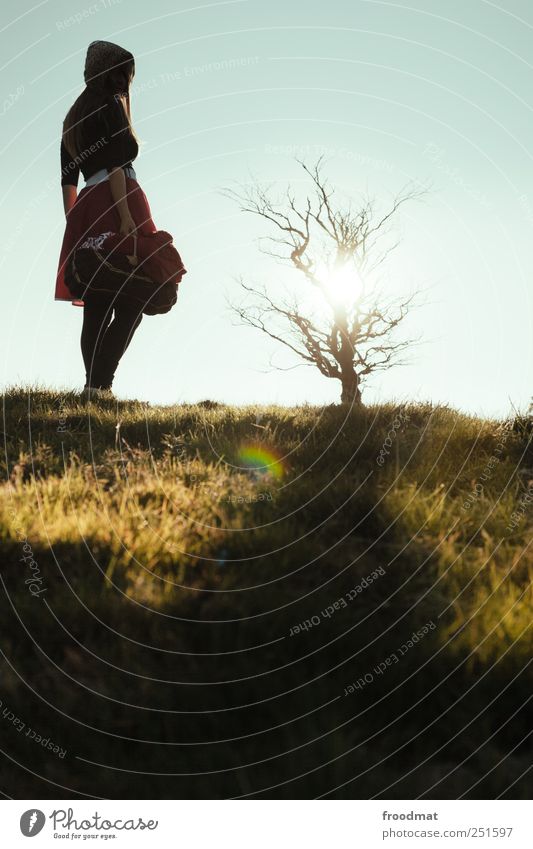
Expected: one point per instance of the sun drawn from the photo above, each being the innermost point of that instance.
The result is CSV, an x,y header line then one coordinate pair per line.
x,y
343,283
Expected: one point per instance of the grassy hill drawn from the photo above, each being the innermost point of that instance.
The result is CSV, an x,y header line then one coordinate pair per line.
x,y
210,601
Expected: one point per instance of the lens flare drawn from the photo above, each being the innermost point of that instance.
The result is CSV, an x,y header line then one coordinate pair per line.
x,y
263,461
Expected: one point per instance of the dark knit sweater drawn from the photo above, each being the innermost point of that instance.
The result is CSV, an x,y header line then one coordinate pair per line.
x,y
107,143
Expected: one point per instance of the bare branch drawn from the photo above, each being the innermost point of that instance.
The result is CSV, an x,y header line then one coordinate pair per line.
x,y
354,336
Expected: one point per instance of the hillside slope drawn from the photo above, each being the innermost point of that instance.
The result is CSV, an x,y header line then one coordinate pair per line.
x,y
211,602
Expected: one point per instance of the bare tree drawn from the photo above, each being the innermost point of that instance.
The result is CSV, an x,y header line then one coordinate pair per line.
x,y
337,252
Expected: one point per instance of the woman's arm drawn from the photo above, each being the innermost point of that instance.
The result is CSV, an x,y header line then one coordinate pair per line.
x,y
70,172
70,194
117,184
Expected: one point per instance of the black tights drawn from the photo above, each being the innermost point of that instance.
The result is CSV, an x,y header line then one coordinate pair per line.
x,y
103,341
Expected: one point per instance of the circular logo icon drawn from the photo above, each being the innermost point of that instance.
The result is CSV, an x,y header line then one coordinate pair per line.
x,y
32,822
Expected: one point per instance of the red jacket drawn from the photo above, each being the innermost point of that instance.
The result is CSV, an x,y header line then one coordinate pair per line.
x,y
94,215
156,255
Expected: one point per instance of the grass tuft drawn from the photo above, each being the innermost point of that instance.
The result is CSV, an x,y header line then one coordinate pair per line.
x,y
168,578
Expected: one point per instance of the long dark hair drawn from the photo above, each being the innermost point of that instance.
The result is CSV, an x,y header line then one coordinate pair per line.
x,y
112,83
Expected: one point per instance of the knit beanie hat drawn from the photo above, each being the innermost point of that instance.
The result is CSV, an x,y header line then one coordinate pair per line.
x,y
103,56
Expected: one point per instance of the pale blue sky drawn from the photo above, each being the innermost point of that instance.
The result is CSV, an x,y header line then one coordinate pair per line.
x,y
436,91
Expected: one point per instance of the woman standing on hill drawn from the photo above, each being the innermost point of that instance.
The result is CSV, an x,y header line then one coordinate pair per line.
x,y
98,139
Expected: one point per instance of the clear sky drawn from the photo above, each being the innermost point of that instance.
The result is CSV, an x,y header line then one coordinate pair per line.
x,y
436,91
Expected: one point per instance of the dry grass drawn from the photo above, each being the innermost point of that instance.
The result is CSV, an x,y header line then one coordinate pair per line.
x,y
170,569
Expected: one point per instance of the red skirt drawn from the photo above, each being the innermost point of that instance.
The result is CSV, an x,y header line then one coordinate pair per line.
x,y
93,213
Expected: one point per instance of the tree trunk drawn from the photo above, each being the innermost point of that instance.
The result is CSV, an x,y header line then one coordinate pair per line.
x,y
344,355
351,394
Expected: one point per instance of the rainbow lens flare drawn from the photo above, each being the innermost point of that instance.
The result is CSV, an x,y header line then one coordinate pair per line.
x,y
263,461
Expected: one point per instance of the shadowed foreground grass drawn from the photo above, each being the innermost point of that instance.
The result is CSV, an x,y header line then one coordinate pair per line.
x,y
350,617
